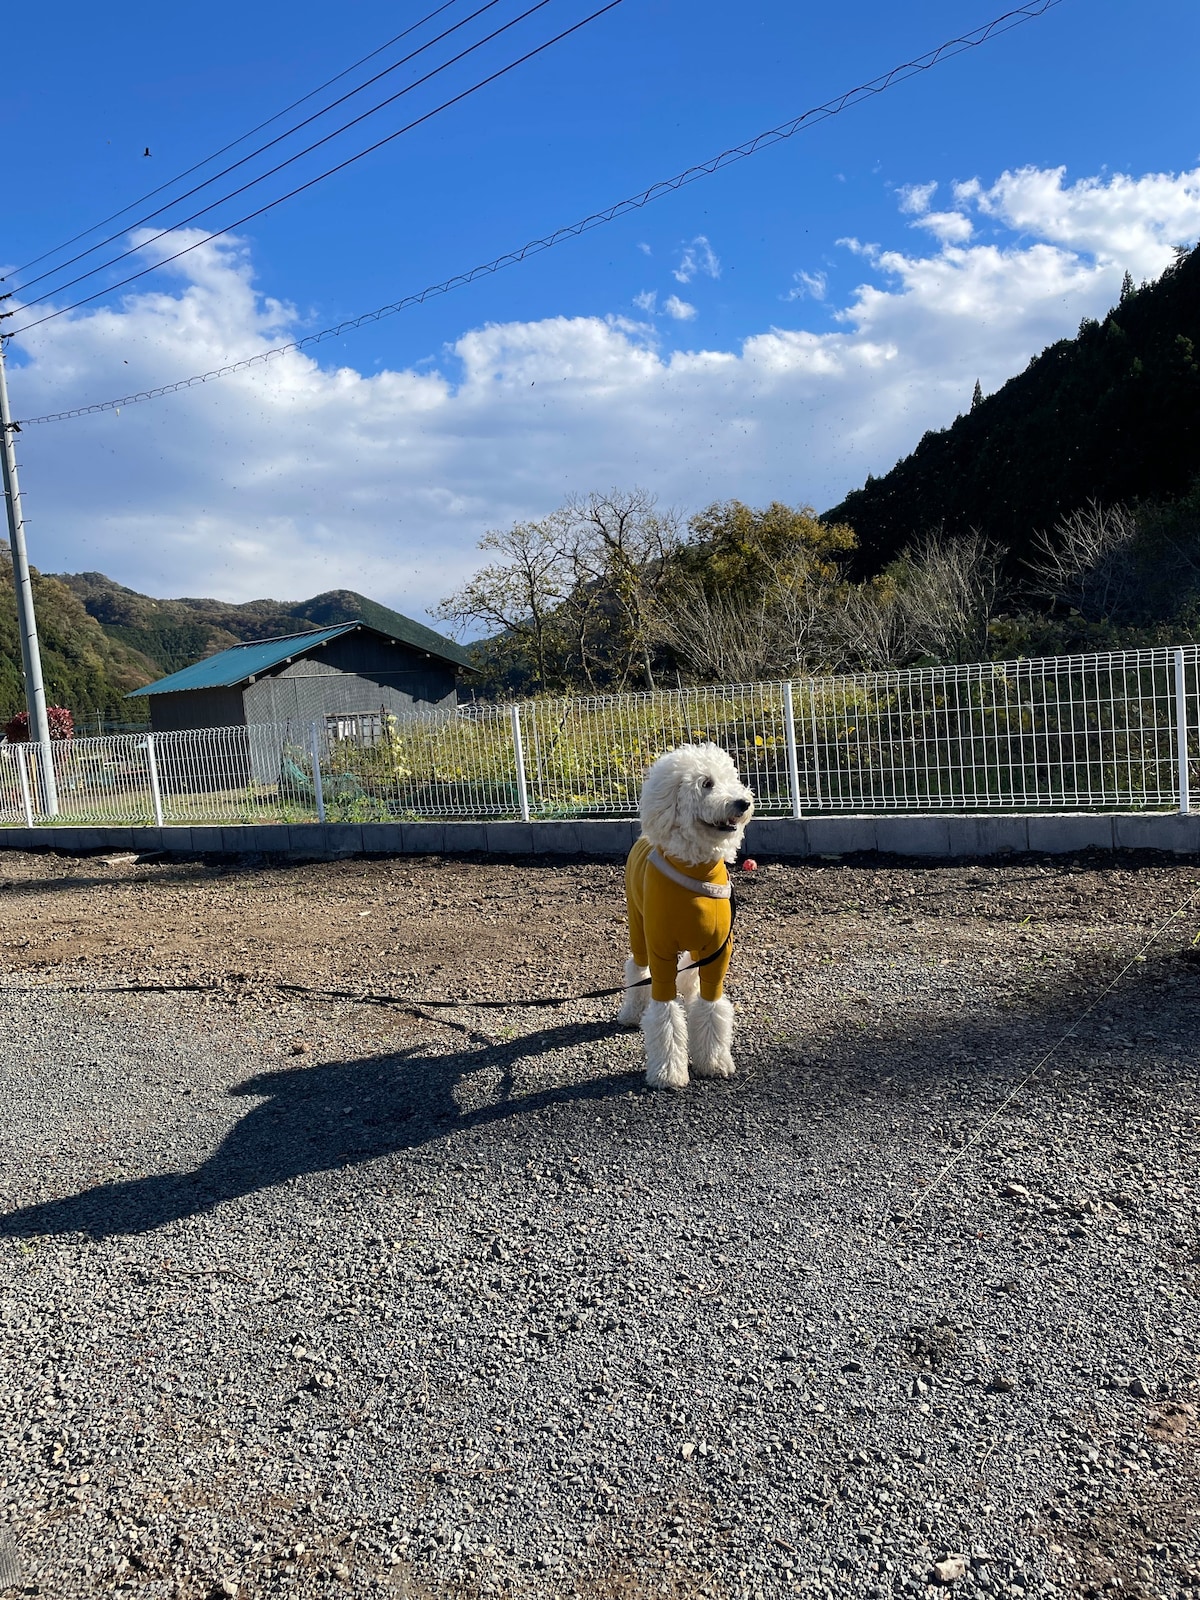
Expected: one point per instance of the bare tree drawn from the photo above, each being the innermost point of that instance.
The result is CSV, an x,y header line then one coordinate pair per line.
x,y
1087,563
520,595
937,599
768,630
619,545
872,627
720,638
952,594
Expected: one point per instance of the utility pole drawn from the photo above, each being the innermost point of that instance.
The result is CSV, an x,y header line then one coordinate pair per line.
x,y
31,656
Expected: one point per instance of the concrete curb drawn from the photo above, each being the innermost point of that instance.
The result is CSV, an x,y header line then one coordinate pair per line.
x,y
939,837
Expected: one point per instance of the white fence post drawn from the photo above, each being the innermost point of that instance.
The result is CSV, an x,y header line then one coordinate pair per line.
x,y
1181,731
793,766
519,754
155,790
26,798
318,786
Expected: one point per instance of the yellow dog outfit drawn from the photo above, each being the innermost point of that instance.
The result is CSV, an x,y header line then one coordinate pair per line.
x,y
677,907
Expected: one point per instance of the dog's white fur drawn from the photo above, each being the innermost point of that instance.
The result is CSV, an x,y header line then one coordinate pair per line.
x,y
695,808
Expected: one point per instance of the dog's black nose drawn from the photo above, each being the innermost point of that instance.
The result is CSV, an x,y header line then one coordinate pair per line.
x,y
741,807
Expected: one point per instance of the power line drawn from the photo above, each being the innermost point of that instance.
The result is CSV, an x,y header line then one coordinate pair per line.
x,y
232,145
182,222
761,141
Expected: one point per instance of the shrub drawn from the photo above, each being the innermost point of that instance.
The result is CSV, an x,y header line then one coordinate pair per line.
x,y
62,725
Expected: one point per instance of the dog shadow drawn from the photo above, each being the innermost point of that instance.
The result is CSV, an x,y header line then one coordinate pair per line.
x,y
326,1117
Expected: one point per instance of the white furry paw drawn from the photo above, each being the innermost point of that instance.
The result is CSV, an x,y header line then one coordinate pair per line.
x,y
664,1028
710,1038
633,1007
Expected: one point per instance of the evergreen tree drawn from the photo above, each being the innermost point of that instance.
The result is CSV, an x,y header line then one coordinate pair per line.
x,y
977,397
1111,416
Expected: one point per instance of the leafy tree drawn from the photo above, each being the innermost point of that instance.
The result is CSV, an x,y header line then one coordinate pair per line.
x,y
730,545
753,592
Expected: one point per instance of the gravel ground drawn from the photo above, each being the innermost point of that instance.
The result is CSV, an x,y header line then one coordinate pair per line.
x,y
310,1298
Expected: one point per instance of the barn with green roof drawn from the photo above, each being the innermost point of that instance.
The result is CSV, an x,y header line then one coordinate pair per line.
x,y
326,675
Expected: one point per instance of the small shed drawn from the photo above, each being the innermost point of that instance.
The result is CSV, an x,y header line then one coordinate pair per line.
x,y
330,675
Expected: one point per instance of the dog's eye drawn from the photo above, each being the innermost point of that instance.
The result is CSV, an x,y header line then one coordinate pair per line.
x,y
708,783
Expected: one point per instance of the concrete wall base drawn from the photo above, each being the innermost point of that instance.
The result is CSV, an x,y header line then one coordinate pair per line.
x,y
938,837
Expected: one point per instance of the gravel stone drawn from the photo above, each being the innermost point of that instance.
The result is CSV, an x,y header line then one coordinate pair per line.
x,y
447,1304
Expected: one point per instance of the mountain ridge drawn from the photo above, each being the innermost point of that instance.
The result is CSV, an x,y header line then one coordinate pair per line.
x,y
173,633
101,639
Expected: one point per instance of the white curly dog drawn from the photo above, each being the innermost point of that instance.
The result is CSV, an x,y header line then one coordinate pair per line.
x,y
694,810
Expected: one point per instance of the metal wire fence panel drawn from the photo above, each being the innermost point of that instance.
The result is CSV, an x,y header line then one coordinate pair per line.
x,y
12,790
1066,732
1110,731
100,780
587,757
458,762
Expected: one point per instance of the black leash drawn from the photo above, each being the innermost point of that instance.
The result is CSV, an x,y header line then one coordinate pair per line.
x,y
408,1002
531,1000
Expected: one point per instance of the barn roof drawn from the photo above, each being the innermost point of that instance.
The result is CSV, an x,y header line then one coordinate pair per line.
x,y
239,664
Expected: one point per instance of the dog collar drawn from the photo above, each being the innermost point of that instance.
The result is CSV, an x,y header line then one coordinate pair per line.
x,y
714,891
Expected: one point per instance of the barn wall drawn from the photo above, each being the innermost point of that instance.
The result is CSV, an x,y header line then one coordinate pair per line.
x,y
196,708
356,672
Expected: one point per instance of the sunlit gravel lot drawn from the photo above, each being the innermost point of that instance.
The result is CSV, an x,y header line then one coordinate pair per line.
x,y
306,1296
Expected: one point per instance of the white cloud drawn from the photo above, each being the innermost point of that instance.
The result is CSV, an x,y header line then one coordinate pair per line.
x,y
951,227
1131,221
915,198
646,301
679,309
697,258
293,477
645,248
813,284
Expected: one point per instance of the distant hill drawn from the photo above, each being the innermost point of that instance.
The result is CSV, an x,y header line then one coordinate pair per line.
x,y
1111,415
173,633
84,667
100,640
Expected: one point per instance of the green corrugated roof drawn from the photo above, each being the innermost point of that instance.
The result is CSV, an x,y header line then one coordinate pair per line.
x,y
242,662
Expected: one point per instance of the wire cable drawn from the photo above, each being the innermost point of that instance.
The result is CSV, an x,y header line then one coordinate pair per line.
x,y
761,141
225,148
183,222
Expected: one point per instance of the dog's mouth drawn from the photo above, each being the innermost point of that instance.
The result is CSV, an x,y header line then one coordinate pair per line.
x,y
728,825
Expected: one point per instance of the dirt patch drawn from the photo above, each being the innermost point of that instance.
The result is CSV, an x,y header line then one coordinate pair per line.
x,y
469,928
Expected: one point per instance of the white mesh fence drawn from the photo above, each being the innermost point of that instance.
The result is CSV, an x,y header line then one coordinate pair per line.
x,y
1114,731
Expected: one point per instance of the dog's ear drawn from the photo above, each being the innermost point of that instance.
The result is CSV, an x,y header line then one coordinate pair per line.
x,y
659,808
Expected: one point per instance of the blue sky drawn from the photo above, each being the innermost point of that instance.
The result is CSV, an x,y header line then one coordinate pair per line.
x,y
237,489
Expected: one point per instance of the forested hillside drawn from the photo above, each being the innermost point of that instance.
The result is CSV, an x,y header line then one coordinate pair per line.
x,y
84,668
174,633
1110,416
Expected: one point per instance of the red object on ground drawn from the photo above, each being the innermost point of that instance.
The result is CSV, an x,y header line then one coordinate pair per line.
x,y
749,865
